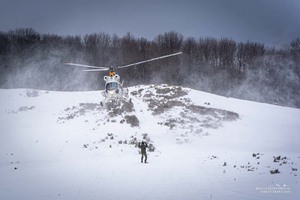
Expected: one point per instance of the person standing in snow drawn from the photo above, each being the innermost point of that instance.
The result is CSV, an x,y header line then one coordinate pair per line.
x,y
143,147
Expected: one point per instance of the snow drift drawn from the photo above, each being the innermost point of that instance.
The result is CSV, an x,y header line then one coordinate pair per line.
x,y
64,145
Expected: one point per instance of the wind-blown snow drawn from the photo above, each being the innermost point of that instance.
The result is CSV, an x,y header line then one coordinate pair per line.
x,y
64,145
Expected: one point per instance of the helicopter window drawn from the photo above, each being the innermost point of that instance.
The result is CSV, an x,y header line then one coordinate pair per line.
x,y
111,86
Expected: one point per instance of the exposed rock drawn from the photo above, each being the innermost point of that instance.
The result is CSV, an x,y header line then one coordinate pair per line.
x,y
132,120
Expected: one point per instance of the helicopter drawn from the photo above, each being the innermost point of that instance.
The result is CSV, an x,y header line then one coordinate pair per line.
x,y
114,89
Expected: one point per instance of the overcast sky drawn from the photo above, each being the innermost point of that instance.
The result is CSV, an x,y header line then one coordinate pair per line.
x,y
273,22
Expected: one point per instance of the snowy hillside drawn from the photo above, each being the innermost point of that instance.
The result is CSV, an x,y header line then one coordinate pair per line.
x,y
64,145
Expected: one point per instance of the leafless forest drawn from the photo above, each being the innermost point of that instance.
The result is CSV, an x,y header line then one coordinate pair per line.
x,y
246,70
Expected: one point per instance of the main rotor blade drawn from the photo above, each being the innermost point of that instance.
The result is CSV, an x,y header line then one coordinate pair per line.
x,y
95,70
86,66
150,60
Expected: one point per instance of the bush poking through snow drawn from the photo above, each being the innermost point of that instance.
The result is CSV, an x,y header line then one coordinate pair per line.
x,y
127,106
274,171
151,148
25,108
32,93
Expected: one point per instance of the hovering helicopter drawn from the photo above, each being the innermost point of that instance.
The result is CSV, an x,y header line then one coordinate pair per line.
x,y
113,87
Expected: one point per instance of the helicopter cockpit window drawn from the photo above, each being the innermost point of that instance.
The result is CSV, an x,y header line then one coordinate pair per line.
x,y
111,86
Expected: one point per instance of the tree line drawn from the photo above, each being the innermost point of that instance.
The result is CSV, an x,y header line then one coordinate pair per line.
x,y
223,66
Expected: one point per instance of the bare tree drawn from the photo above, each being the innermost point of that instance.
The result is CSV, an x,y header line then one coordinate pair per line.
x,y
295,49
247,52
226,50
208,49
170,42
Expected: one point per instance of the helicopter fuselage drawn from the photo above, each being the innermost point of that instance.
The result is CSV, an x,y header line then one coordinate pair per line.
x,y
113,87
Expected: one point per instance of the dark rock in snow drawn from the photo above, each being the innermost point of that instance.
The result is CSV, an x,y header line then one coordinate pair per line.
x,y
132,120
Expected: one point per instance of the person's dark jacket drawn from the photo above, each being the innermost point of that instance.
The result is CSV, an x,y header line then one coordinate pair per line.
x,y
143,147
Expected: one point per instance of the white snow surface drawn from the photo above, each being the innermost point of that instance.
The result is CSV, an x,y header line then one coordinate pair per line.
x,y
64,145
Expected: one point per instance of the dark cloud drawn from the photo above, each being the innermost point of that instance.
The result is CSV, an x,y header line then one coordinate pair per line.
x,y
273,22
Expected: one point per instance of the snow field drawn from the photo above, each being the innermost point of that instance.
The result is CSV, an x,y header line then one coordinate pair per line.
x,y
46,155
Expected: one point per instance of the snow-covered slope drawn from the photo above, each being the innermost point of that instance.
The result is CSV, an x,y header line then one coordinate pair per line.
x,y
64,145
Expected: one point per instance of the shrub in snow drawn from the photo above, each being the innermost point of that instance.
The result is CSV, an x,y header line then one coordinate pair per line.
x,y
151,148
274,171
127,106
25,108
32,93
132,120
133,141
